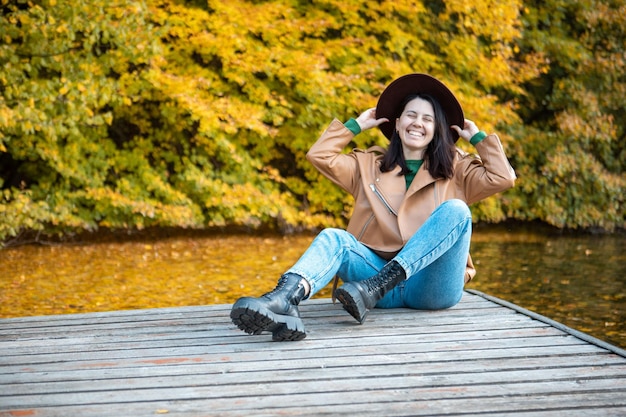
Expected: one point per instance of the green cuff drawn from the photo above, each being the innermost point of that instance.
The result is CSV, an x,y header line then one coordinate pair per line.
x,y
478,137
353,126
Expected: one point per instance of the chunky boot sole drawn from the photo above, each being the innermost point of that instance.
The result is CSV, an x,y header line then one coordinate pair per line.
x,y
350,296
251,316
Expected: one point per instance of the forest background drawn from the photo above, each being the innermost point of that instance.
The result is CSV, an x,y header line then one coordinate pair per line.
x,y
198,114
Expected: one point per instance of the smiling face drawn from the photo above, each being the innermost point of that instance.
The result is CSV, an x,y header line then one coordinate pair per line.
x,y
416,128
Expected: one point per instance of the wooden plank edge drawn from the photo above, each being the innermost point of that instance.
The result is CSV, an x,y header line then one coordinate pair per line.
x,y
560,326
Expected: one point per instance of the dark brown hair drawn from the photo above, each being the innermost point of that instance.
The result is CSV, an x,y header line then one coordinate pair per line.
x,y
439,154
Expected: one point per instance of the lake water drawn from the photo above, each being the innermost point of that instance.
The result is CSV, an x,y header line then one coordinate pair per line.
x,y
578,280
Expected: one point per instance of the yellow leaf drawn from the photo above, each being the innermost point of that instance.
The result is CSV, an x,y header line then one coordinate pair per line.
x,y
27,126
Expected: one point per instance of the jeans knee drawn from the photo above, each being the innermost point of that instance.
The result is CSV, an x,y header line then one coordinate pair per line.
x,y
332,234
334,238
456,208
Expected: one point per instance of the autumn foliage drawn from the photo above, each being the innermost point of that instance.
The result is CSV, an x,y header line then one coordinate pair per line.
x,y
165,113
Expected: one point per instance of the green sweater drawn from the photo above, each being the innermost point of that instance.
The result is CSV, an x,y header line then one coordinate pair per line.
x,y
414,165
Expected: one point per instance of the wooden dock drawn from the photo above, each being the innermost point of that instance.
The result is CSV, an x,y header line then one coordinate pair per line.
x,y
482,357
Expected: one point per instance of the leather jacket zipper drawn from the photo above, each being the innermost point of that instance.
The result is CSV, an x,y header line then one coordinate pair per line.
x,y
367,223
382,199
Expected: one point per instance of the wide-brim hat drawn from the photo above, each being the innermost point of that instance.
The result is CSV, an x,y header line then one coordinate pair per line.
x,y
391,98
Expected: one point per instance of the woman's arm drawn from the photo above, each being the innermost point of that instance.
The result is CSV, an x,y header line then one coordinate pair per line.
x,y
327,155
490,174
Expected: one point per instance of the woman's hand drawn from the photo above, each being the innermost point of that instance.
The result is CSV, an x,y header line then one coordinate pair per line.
x,y
469,130
368,120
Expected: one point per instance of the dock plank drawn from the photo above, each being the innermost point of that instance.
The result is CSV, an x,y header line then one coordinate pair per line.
x,y
483,356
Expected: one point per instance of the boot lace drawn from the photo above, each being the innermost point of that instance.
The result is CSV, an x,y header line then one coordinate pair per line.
x,y
279,286
385,279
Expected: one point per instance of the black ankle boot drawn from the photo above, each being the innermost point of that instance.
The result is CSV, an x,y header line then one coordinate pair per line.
x,y
358,297
275,311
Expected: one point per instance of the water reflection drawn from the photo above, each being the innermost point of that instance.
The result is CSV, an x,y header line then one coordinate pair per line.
x,y
577,280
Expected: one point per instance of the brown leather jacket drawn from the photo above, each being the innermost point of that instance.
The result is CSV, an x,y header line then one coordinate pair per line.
x,y
385,213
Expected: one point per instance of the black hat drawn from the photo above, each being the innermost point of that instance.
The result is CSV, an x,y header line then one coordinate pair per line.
x,y
389,102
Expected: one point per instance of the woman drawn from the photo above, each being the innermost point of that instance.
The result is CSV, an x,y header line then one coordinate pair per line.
x,y
407,242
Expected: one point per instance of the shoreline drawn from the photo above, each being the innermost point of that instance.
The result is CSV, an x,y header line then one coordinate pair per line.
x,y
105,235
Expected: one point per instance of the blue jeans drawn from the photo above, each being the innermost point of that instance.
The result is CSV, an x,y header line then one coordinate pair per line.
x,y
434,260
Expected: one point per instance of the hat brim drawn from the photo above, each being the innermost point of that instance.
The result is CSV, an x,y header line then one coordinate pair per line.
x,y
391,98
